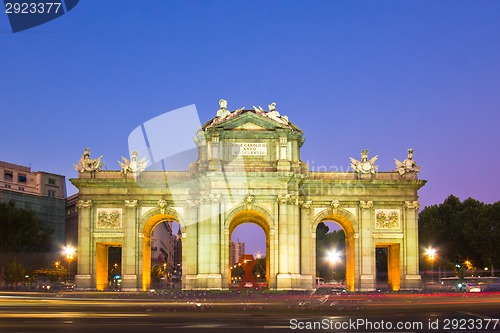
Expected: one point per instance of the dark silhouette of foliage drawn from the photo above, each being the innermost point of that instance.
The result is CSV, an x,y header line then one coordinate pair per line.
x,y
23,241
460,231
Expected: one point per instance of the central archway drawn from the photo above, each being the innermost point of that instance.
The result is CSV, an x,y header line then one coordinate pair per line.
x,y
249,215
345,220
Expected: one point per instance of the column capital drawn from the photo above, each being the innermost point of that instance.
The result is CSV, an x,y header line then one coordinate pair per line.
x,y
131,203
192,203
412,204
215,198
283,198
84,203
366,204
306,204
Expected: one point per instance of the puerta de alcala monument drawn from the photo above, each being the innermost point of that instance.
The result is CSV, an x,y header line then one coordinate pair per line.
x,y
248,169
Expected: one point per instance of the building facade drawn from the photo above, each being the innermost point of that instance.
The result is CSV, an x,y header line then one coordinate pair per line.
x,y
249,170
162,246
41,192
177,273
72,220
237,250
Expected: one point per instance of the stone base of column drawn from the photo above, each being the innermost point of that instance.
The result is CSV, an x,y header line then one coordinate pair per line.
x,y
129,283
189,282
366,282
289,282
411,282
83,283
307,282
204,282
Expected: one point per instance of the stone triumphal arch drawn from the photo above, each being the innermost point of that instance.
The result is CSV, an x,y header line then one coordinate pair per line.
x,y
248,170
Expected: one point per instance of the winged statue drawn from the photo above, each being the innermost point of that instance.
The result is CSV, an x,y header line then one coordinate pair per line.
x,y
134,166
366,166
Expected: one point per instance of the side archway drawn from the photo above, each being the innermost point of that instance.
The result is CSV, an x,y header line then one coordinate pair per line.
x,y
148,222
348,223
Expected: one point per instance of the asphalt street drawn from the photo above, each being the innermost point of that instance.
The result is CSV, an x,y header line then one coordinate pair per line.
x,y
248,312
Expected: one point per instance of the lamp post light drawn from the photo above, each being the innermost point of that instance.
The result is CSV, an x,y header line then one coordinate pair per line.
x,y
431,256
69,252
333,258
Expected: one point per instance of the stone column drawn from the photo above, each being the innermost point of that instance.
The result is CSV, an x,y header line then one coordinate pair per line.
x,y
367,253
357,261
411,252
294,242
273,258
84,279
190,246
215,276
204,222
306,246
129,247
284,256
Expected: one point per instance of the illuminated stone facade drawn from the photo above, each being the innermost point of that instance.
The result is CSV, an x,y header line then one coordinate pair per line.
x,y
249,170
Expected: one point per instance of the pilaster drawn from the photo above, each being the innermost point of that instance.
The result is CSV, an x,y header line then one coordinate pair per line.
x,y
306,246
129,247
83,279
190,245
411,271
367,251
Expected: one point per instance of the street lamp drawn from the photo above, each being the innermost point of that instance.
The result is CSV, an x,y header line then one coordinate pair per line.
x,y
333,258
69,252
431,256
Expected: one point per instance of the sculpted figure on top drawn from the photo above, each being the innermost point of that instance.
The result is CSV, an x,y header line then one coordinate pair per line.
x,y
275,115
408,165
87,164
223,112
365,166
135,166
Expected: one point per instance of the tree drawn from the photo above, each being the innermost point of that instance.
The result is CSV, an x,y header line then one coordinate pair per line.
x,y
23,241
468,230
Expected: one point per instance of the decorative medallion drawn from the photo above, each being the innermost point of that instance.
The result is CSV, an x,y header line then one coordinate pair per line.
x,y
162,203
248,199
335,204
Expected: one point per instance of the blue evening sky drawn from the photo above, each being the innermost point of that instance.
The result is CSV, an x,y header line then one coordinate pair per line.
x,y
381,75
